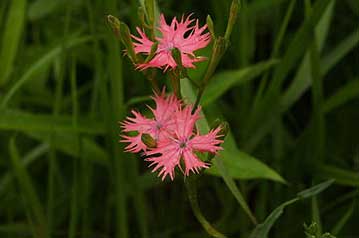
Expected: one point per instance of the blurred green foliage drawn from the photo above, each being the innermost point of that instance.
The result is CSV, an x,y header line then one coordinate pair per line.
x,y
288,85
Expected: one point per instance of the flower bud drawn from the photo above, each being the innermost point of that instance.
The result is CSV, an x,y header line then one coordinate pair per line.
x,y
148,141
233,12
122,31
114,23
210,26
125,36
141,15
150,10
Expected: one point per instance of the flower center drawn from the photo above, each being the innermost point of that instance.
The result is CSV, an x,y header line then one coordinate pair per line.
x,y
170,46
158,126
182,144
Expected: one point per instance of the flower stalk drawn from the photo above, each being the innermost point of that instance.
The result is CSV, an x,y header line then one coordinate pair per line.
x,y
220,46
191,187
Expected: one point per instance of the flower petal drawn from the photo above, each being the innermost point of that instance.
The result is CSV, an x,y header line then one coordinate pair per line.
x,y
143,44
136,145
138,123
185,121
168,158
192,162
207,143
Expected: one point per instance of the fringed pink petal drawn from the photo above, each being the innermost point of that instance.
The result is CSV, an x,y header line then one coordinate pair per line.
x,y
143,44
185,121
136,145
168,157
207,143
192,162
160,60
137,123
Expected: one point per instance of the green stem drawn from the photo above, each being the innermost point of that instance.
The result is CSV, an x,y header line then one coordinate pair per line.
x,y
219,47
151,76
176,85
190,183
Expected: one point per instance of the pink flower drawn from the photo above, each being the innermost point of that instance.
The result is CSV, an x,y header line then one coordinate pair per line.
x,y
180,35
158,127
183,144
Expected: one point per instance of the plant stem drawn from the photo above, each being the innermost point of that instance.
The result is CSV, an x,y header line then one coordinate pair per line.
x,y
219,47
191,186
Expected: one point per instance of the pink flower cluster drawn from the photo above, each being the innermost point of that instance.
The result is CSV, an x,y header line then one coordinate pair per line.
x,y
173,127
182,35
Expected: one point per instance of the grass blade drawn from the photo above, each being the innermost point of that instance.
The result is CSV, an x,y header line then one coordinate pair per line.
x,y
11,38
348,92
223,81
23,121
234,189
296,49
344,219
29,192
341,176
40,64
262,230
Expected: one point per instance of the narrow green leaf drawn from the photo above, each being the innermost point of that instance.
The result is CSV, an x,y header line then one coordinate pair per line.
x,y
343,48
42,8
66,143
23,121
11,38
42,63
233,188
348,92
344,219
341,176
223,81
262,230
299,43
295,51
29,192
315,190
28,159
302,80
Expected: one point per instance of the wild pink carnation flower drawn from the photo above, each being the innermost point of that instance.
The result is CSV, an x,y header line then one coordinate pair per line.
x,y
183,143
180,35
158,127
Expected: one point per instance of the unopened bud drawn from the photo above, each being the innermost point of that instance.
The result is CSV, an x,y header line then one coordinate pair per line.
x,y
126,40
123,33
141,15
114,23
210,26
233,12
150,10
148,140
